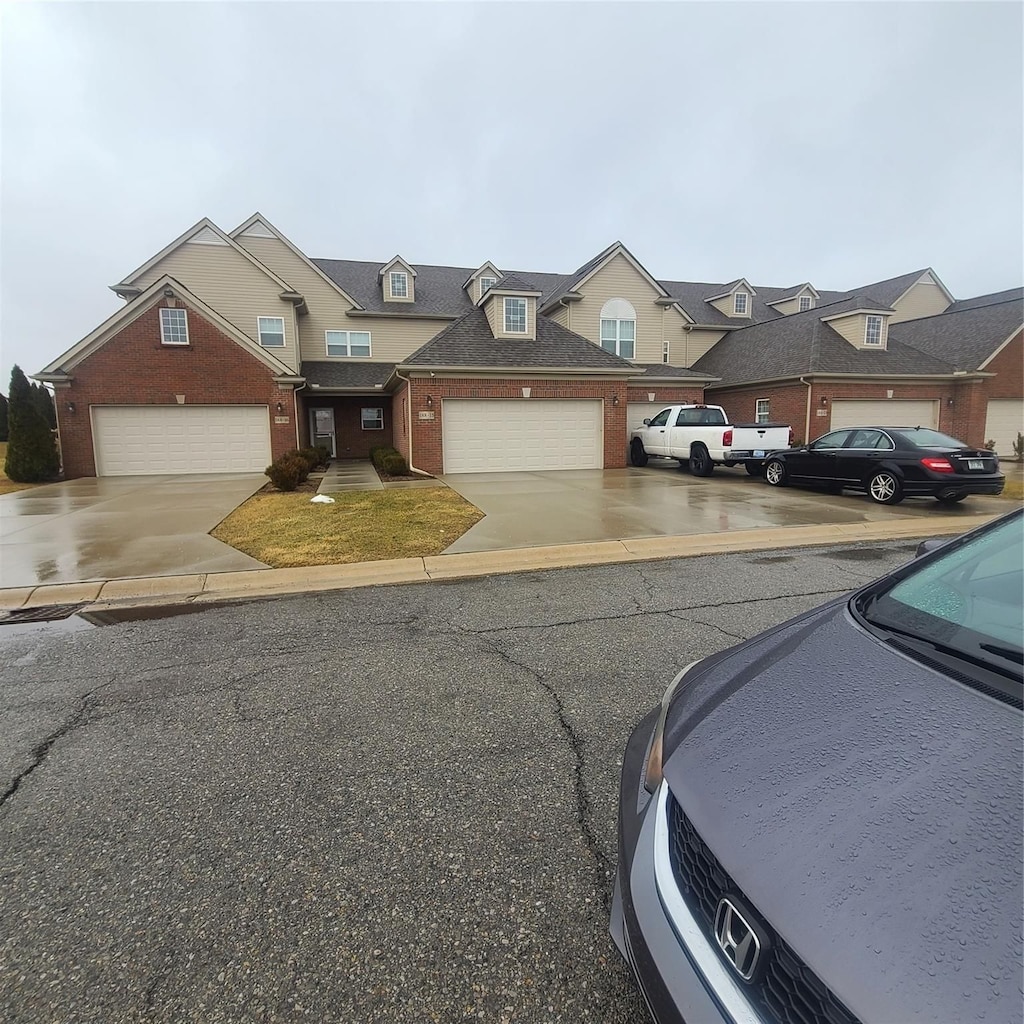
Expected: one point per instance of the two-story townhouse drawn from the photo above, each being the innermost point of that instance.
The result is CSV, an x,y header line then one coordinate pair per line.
x,y
234,346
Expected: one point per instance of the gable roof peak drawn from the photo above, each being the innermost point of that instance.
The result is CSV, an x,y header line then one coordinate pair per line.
x,y
399,260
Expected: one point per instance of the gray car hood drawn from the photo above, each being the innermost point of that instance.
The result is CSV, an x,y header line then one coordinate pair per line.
x,y
869,808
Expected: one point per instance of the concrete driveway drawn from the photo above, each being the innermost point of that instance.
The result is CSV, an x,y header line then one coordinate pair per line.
x,y
577,506
115,527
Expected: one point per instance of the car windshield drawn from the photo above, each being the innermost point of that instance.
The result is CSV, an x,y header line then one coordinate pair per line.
x,y
967,602
925,437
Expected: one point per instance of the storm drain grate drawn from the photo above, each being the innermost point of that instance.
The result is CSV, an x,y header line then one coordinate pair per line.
x,y
49,613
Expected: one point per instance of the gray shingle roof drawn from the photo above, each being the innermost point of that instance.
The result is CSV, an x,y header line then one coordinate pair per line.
x,y
964,338
509,281
889,290
664,370
800,343
992,299
469,342
338,374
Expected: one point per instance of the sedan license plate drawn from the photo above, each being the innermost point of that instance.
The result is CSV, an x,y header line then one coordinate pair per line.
x,y
759,453
975,464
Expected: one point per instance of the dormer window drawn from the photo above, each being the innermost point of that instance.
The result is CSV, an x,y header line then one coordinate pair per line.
x,y
873,330
806,302
515,316
485,283
739,303
399,284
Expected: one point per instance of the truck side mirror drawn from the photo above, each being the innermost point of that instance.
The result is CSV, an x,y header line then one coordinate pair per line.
x,y
647,423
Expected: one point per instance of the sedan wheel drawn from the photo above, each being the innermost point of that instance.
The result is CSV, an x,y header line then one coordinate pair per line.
x,y
775,473
885,489
637,455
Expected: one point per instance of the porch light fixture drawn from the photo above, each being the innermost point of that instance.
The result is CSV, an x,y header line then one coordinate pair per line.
x,y
615,399
430,400
949,402
71,406
280,407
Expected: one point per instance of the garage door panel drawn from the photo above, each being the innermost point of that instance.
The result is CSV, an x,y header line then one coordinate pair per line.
x,y
156,439
1004,420
510,435
849,412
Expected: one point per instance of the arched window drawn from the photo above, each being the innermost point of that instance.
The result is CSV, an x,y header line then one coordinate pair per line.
x,y
618,328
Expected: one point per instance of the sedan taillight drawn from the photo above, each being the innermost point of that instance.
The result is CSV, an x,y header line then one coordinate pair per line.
x,y
727,439
938,465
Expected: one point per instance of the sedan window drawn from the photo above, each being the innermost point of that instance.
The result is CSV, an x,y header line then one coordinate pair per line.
x,y
872,439
834,440
925,437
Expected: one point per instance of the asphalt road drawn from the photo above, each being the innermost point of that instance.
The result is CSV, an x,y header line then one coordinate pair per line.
x,y
392,804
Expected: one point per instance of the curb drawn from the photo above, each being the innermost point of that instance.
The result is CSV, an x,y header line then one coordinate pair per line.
x,y
214,588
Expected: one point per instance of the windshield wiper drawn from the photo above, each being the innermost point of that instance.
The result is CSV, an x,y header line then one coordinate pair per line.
x,y
1004,652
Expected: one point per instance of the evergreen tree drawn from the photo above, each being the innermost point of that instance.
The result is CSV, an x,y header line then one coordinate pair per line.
x,y
3,418
31,450
43,401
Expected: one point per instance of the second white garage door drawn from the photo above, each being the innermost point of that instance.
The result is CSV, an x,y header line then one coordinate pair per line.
x,y
512,435
847,412
143,440
1005,420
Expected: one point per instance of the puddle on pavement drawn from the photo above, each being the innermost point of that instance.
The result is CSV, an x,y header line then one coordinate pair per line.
x,y
862,554
60,621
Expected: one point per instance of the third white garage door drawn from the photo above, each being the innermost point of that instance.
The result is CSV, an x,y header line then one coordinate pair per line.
x,y
516,435
847,412
140,440
1005,420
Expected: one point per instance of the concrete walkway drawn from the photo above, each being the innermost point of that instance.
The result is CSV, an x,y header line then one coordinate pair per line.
x,y
233,586
350,475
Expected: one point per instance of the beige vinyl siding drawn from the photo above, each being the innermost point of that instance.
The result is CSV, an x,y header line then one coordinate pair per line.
x,y
791,305
925,298
224,279
392,339
495,309
851,328
619,279
695,344
727,304
562,316
724,305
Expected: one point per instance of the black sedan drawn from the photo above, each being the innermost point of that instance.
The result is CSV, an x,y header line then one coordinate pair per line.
x,y
890,463
822,825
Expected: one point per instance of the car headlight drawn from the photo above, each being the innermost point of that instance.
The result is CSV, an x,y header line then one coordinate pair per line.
x,y
653,773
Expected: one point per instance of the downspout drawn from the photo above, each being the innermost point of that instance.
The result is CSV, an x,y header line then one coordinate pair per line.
x,y
295,410
807,418
409,422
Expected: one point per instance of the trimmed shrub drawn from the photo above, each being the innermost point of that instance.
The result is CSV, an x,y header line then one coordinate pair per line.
x,y
316,457
324,454
377,453
394,464
286,473
31,449
1018,446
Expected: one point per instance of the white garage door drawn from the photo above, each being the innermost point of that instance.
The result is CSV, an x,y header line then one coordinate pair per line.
x,y
883,413
509,435
133,440
1004,421
637,412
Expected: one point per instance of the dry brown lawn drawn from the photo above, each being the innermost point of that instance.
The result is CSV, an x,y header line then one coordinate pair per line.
x,y
9,486
285,530
1014,490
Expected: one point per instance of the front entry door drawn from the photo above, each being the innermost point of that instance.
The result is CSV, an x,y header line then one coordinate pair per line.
x,y
323,430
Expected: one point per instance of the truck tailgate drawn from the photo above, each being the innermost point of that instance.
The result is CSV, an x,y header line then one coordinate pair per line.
x,y
759,438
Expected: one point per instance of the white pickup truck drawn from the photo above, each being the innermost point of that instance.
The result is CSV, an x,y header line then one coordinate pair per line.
x,y
701,437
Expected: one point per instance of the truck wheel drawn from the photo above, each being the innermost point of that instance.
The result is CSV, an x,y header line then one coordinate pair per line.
x,y
700,461
775,473
754,468
885,488
637,455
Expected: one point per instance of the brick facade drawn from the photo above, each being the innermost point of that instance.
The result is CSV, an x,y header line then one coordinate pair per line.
x,y
690,395
134,368
1009,369
427,443
351,440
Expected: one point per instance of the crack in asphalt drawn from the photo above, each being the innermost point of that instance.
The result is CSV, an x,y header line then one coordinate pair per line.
x,y
584,809
710,625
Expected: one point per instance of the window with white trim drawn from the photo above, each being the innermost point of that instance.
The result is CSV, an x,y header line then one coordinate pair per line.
x,y
762,410
664,351
806,302
618,328
739,303
173,326
399,284
515,316
347,343
372,419
271,329
485,283
873,330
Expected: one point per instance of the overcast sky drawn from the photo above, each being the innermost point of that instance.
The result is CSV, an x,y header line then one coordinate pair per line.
x,y
836,143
